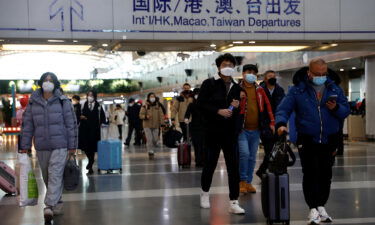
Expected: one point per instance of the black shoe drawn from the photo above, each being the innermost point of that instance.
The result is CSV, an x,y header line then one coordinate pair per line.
x,y
260,173
127,144
151,155
87,167
91,171
137,143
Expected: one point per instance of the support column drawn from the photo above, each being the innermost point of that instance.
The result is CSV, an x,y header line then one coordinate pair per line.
x,y
370,97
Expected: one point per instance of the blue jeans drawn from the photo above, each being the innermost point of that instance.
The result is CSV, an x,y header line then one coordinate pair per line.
x,y
248,142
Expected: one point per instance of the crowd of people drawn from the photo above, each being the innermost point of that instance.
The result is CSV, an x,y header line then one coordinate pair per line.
x,y
220,115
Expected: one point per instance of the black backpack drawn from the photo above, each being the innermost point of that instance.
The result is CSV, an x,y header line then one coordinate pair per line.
x,y
279,157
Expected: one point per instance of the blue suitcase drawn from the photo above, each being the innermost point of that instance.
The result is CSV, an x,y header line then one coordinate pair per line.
x,y
109,155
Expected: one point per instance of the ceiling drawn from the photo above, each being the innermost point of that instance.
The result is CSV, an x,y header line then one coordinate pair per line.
x,y
208,45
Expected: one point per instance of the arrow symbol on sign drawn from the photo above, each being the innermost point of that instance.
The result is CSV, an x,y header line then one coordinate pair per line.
x,y
54,12
78,12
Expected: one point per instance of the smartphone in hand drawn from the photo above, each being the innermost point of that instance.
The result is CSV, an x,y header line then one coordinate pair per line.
x,y
332,98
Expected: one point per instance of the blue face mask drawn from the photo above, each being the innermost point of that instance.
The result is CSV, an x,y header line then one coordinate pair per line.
x,y
319,80
251,78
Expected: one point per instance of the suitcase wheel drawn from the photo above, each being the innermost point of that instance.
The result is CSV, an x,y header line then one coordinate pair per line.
x,y
99,171
120,170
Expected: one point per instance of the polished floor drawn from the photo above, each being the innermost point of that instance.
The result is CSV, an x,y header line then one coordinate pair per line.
x,y
157,192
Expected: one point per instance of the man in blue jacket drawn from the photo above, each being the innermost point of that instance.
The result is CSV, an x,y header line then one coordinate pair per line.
x,y
319,105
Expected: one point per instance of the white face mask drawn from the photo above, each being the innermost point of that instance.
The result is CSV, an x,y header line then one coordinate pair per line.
x,y
152,99
227,71
48,86
131,104
90,99
196,96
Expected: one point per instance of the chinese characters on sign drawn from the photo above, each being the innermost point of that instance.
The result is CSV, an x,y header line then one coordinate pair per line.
x,y
218,13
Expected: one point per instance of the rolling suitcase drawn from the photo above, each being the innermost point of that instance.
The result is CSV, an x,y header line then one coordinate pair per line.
x,y
184,152
7,179
109,155
275,198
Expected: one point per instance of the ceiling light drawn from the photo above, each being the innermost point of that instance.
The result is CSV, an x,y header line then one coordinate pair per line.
x,y
334,45
24,47
353,68
56,41
237,42
341,69
230,45
264,48
105,45
75,41
1,40
212,45
252,42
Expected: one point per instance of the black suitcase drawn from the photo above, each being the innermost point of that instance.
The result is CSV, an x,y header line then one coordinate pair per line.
x,y
275,198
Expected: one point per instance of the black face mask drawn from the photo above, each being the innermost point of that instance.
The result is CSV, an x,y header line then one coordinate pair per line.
x,y
272,81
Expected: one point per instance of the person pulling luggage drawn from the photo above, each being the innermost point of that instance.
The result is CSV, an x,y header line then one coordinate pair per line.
x,y
320,105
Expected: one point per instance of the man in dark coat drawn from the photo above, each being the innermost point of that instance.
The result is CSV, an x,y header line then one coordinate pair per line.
x,y
275,94
134,122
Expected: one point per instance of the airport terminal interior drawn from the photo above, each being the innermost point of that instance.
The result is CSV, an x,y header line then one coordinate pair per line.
x,y
126,49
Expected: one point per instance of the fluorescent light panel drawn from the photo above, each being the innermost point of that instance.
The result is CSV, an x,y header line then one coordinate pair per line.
x,y
24,47
56,41
264,48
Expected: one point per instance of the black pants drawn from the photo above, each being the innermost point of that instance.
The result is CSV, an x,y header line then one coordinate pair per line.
x,y
268,144
214,143
184,130
340,143
317,161
91,157
120,131
199,148
137,134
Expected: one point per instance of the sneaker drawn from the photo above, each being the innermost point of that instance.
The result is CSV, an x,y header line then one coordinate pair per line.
x,y
58,209
151,155
251,188
324,217
205,200
314,217
243,187
235,208
48,215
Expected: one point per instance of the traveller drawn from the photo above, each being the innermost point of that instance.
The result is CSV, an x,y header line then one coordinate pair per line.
x,y
320,106
49,121
219,101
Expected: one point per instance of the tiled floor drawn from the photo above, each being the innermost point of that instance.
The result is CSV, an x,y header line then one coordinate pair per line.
x,y
158,192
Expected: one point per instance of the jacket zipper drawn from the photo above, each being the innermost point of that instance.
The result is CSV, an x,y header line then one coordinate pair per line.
x,y
320,116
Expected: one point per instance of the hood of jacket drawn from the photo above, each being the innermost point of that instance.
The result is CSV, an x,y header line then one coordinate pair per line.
x,y
301,76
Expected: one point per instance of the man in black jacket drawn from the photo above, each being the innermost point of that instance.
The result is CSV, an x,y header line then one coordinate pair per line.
x,y
275,94
219,101
134,122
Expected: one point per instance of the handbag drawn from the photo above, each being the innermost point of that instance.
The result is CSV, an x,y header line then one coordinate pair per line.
x,y
279,157
71,174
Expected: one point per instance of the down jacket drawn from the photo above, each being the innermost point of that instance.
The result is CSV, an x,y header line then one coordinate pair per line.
x,y
313,119
51,124
155,112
